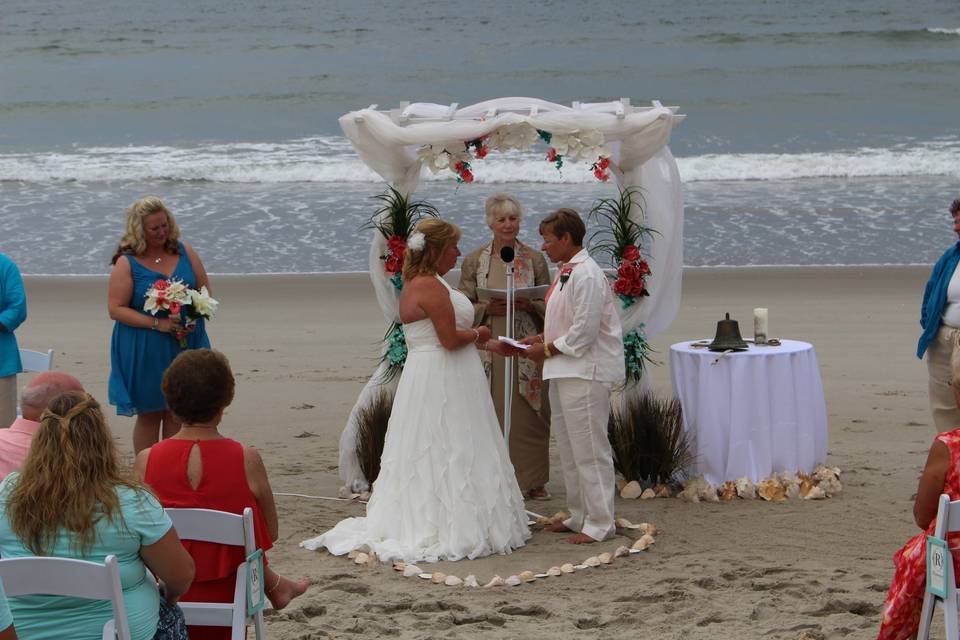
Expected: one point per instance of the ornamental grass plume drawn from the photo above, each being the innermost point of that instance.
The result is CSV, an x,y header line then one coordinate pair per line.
x,y
372,421
648,440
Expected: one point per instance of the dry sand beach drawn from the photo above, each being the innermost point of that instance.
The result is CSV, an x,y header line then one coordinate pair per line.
x,y
303,346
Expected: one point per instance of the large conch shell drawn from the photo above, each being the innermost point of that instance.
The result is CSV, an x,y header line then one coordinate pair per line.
x,y
452,581
513,581
646,527
621,551
728,491
399,565
772,490
411,570
471,581
592,561
495,581
806,484
746,488
438,577
567,568
815,493
699,489
554,572
623,523
605,558
527,576
361,558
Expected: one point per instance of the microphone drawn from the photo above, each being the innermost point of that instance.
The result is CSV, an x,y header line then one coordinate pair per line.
x,y
506,254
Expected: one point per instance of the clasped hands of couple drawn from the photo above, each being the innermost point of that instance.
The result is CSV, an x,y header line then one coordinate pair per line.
x,y
536,351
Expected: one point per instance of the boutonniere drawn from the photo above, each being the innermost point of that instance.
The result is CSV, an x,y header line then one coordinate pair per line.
x,y
564,276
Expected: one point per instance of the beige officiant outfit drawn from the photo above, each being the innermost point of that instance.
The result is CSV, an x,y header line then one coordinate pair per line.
x,y
530,412
582,323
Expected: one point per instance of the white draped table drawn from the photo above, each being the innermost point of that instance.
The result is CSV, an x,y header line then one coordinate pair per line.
x,y
751,413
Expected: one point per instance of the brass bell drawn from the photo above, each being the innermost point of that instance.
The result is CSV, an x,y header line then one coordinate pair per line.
x,y
728,337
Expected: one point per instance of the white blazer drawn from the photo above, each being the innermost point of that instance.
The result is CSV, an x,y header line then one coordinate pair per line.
x,y
582,323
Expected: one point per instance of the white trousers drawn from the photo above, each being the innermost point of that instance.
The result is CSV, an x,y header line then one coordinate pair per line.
x,y
580,412
943,404
8,401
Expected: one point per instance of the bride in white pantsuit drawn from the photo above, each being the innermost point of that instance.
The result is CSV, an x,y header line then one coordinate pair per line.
x,y
582,353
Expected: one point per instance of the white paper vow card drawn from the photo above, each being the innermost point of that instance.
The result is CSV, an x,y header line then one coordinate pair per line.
x,y
513,343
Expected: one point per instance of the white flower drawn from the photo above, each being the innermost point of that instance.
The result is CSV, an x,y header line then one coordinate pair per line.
x,y
417,241
202,303
513,136
160,299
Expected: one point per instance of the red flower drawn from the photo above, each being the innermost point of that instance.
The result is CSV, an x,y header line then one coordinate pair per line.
x,y
604,163
174,308
393,264
466,175
551,154
481,152
637,287
628,271
622,286
601,175
630,253
644,268
161,284
396,244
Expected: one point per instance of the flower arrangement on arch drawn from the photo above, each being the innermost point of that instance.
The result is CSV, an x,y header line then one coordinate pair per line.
x,y
395,220
174,298
621,238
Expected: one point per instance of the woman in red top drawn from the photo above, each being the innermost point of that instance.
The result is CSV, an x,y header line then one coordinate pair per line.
x,y
200,469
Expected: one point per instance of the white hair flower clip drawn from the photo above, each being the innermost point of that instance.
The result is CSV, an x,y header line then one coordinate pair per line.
x,y
417,241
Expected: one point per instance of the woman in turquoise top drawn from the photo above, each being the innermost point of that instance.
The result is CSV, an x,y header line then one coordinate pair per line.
x,y
71,501
13,311
144,345
7,632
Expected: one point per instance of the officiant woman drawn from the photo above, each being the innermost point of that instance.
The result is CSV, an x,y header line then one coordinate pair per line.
x,y
530,414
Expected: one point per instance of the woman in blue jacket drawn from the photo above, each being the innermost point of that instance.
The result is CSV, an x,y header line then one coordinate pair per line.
x,y
940,319
13,311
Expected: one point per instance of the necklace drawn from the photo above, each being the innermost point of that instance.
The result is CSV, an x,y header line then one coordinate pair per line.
x,y
158,260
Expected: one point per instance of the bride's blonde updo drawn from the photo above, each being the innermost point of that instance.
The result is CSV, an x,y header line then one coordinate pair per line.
x,y
437,235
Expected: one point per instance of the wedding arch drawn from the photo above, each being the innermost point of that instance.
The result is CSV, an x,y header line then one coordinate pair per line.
x,y
625,142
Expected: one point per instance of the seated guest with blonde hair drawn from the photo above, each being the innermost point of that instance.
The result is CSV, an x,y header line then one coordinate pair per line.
x,y
941,474
198,468
7,632
36,396
72,501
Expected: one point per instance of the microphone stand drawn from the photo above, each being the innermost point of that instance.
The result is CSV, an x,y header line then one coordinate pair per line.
x,y
508,362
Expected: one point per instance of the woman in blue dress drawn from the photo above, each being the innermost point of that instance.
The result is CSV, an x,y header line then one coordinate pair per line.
x,y
144,345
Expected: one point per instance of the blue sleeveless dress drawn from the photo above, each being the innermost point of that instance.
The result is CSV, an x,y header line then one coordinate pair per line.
x,y
138,357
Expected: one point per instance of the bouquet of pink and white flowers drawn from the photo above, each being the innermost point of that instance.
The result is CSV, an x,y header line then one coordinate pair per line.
x,y
178,300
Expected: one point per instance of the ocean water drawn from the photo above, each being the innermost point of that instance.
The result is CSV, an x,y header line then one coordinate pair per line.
x,y
825,132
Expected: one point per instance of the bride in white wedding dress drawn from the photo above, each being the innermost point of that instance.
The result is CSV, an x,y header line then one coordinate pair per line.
x,y
446,488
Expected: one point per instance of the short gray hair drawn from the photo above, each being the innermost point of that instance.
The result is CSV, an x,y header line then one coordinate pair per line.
x,y
501,202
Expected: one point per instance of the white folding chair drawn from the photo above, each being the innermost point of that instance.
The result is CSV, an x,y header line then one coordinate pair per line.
x,y
224,528
71,578
948,520
36,360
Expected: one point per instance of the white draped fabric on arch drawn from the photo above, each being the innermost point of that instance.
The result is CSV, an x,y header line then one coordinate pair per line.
x,y
396,144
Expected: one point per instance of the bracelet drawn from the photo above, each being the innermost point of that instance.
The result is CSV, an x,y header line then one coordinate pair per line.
x,y
156,323
546,350
477,333
542,341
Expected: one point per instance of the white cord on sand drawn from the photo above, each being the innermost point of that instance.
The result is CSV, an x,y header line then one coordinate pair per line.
x,y
303,495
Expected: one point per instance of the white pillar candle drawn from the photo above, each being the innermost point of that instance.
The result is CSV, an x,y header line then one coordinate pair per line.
x,y
760,326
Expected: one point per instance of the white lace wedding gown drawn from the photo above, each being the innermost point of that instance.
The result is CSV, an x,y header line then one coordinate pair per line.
x,y
446,488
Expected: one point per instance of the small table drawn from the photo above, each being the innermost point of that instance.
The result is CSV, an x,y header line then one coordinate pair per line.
x,y
751,413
